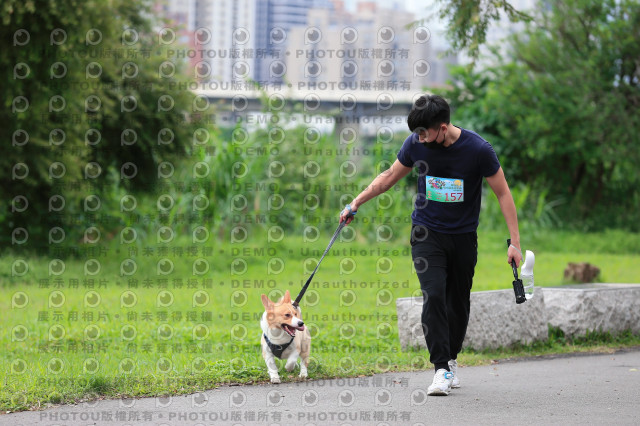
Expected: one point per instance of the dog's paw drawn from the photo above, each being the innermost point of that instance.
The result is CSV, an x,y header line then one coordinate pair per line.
x,y
290,366
303,375
275,380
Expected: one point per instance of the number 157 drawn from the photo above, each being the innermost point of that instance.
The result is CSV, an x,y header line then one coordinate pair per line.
x,y
454,196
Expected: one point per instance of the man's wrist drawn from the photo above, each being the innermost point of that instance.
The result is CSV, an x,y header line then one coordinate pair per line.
x,y
350,209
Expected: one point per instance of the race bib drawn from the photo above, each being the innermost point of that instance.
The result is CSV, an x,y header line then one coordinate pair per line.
x,y
445,190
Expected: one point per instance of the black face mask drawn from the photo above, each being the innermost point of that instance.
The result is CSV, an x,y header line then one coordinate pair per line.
x,y
433,144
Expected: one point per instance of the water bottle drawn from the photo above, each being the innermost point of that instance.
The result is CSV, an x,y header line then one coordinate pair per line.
x,y
526,274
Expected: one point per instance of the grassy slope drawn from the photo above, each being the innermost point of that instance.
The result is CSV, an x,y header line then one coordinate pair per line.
x,y
350,311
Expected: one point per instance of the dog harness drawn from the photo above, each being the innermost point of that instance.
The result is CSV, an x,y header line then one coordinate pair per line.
x,y
277,349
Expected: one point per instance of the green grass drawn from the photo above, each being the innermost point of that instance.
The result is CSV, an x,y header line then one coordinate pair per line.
x,y
184,346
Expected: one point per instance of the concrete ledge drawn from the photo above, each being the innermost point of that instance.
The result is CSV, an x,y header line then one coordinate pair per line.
x,y
410,332
603,307
496,320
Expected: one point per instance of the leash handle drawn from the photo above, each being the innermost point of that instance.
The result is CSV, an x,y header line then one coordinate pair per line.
x,y
306,285
518,287
351,214
513,262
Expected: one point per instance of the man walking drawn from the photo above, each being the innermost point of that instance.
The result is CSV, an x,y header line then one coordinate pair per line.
x,y
451,162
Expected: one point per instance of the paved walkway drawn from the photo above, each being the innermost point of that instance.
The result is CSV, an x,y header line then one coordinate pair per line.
x,y
580,389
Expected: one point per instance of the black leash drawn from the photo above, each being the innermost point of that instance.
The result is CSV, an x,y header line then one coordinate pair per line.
x,y
306,285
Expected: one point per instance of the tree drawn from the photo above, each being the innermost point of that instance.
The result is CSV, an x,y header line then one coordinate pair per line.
x,y
468,21
563,107
87,108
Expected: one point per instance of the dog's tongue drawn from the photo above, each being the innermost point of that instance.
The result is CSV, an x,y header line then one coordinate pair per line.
x,y
291,329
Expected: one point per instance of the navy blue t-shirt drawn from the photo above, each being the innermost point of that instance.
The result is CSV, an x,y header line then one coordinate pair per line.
x,y
449,181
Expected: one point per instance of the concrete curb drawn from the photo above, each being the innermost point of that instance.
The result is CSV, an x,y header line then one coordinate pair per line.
x,y
497,321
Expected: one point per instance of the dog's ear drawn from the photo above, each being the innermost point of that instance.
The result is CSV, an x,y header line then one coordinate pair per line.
x,y
287,297
268,304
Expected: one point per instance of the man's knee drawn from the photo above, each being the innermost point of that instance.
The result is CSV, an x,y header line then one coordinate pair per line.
x,y
433,300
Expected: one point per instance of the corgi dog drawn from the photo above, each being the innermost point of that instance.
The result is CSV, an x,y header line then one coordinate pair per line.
x,y
284,336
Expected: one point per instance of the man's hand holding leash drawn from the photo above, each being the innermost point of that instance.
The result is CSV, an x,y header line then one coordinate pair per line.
x,y
514,254
348,213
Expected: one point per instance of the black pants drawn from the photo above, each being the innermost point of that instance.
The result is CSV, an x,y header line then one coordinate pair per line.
x,y
445,264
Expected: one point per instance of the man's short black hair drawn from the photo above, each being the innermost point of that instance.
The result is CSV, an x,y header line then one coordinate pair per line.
x,y
428,112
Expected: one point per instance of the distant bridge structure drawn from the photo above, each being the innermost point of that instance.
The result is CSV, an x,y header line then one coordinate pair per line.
x,y
346,107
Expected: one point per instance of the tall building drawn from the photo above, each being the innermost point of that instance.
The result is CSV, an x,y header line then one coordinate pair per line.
x,y
275,19
181,15
181,12
225,34
307,41
371,49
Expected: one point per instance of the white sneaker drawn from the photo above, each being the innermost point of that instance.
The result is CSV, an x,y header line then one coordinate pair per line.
x,y
441,383
453,367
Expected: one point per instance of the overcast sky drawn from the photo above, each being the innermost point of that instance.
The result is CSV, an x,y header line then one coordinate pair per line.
x,y
421,9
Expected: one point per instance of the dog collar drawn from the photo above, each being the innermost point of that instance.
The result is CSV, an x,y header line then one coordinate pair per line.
x,y
277,349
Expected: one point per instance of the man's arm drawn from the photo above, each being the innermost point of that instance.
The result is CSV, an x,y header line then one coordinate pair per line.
x,y
380,184
499,185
